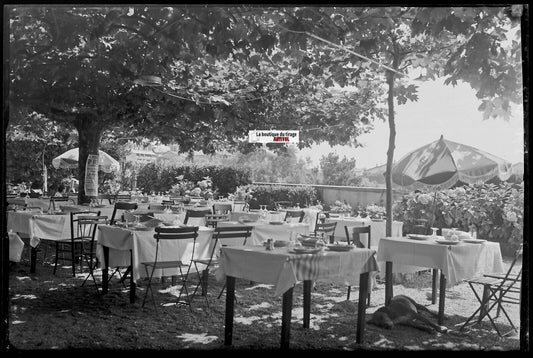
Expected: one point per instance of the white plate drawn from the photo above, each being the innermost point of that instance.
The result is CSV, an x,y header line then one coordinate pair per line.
x,y
305,250
474,241
418,237
340,247
447,242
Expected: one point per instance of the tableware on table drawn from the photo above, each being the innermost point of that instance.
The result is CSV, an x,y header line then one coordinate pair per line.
x,y
434,232
339,247
276,222
308,242
474,241
446,242
305,250
418,237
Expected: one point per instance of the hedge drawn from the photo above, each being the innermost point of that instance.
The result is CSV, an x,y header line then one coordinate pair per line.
x,y
156,178
269,194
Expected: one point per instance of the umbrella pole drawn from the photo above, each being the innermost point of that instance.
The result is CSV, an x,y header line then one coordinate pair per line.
x,y
433,211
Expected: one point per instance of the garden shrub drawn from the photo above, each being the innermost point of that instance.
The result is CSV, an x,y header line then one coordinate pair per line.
x,y
269,194
496,211
155,178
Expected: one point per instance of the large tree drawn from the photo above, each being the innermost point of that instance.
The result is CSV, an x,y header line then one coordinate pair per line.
x,y
224,72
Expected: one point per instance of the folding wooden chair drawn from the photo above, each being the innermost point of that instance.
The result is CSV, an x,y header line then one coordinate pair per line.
x,y
498,289
222,208
58,199
295,214
81,235
191,213
326,230
354,239
211,220
121,207
168,234
235,233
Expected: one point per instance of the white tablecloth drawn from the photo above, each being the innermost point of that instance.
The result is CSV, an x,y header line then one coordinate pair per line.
x,y
263,231
122,240
378,229
457,262
284,270
16,245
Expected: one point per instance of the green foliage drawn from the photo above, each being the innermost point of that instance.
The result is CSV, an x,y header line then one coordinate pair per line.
x,y
497,211
157,178
269,194
338,172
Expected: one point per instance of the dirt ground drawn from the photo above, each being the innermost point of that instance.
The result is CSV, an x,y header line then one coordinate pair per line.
x,y
50,312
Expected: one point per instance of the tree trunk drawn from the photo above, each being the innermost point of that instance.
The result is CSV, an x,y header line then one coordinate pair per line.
x,y
390,150
89,143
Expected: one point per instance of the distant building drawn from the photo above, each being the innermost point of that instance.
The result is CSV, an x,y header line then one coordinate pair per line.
x,y
141,156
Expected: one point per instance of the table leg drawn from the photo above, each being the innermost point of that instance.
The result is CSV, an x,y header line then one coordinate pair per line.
x,y
361,307
230,298
434,282
388,282
308,284
105,277
33,259
132,281
286,318
442,298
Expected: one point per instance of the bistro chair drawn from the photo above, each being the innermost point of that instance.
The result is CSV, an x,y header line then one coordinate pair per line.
x,y
191,213
211,220
295,214
168,202
496,290
158,208
122,197
58,199
87,226
81,235
119,208
169,234
354,239
222,208
326,230
235,233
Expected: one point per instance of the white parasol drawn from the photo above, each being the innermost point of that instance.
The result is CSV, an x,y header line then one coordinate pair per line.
x,y
69,160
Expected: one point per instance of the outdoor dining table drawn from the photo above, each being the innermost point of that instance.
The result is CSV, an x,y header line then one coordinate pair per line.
x,y
264,230
455,262
285,269
377,228
45,226
128,247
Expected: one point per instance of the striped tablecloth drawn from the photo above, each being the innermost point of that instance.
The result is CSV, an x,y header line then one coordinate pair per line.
x,y
284,269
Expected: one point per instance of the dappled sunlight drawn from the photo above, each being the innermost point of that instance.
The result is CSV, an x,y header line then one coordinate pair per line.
x,y
383,342
261,305
26,297
201,338
21,278
255,286
18,322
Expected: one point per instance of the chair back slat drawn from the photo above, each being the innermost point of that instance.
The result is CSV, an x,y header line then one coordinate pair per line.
x,y
356,231
191,213
222,208
121,205
172,233
326,228
295,214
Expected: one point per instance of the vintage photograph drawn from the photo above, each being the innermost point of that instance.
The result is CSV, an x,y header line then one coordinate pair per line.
x,y
237,177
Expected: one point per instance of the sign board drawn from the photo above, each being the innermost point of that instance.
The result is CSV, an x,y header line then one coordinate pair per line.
x,y
273,136
91,175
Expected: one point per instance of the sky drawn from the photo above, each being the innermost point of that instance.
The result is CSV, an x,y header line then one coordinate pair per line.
x,y
440,109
